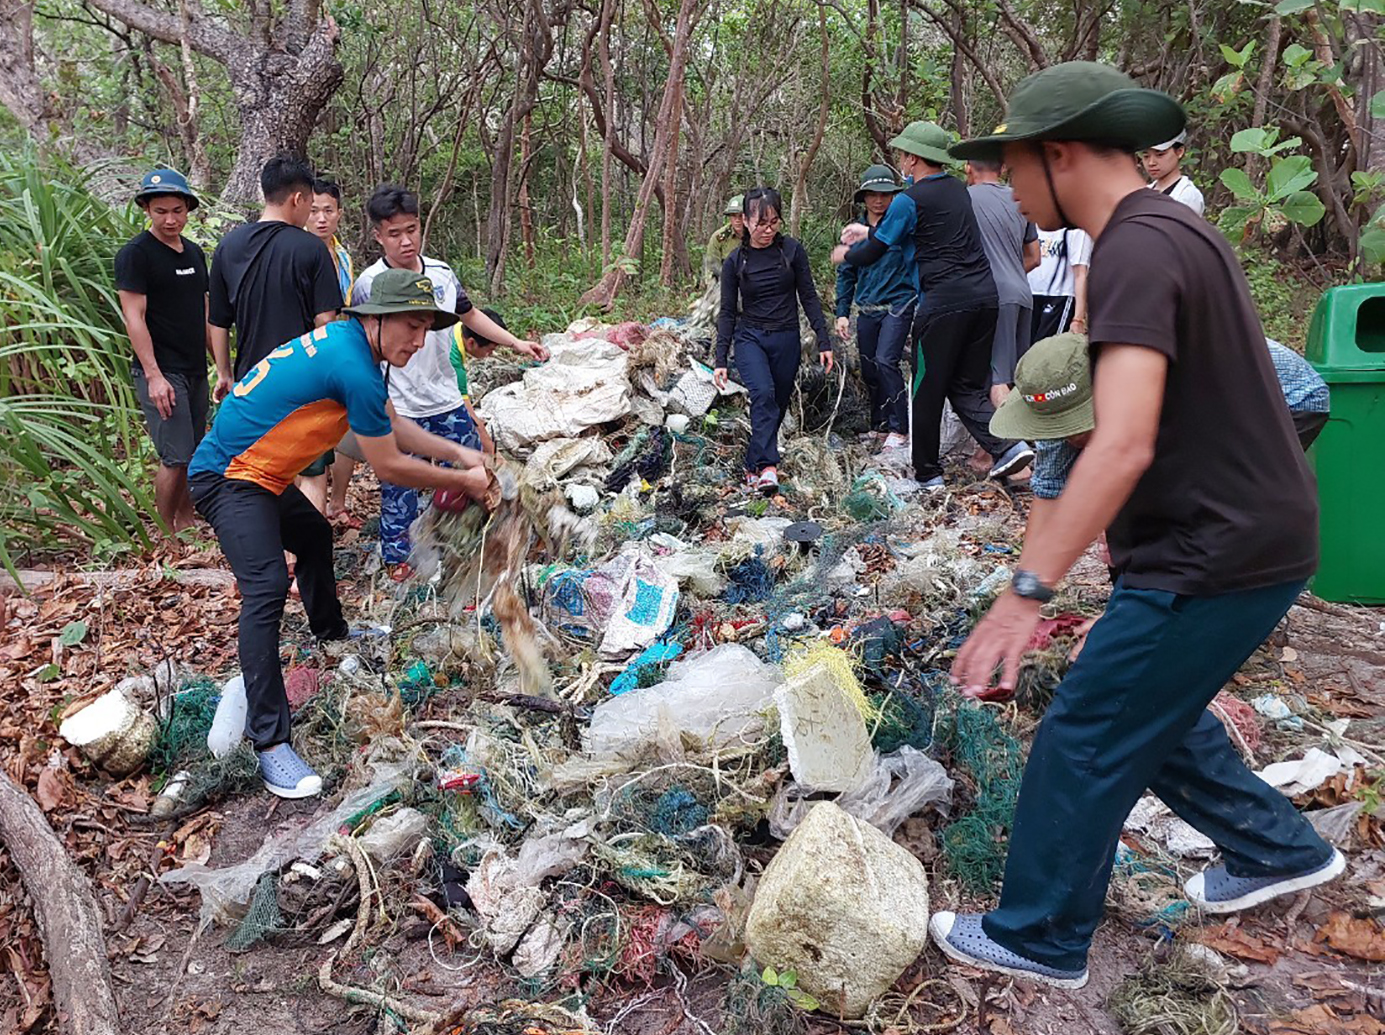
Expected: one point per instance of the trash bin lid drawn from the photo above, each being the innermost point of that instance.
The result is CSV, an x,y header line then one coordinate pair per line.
x,y
1348,332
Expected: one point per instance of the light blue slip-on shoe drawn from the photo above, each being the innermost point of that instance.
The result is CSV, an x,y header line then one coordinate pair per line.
x,y
962,938
1216,891
1016,458
287,775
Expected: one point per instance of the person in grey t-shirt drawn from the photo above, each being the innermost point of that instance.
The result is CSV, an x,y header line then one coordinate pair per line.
x,y
1012,245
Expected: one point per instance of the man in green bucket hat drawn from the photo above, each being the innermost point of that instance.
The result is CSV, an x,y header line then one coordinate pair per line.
x,y
1211,545
955,322
726,239
885,294
290,407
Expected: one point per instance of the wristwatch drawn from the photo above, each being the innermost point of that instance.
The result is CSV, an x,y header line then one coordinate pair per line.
x,y
1027,585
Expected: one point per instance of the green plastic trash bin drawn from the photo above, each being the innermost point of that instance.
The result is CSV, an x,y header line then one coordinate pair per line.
x,y
1346,344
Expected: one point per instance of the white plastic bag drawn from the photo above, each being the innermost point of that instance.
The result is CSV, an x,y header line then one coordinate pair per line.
x,y
226,890
719,697
900,785
646,600
228,725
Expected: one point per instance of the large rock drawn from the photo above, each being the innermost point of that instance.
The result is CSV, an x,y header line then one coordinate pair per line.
x,y
842,906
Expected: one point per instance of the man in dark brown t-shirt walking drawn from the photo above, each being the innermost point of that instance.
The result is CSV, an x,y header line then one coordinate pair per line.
x,y
1196,476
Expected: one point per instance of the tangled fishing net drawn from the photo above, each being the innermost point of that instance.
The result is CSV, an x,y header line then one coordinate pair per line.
x,y
1174,996
990,757
481,558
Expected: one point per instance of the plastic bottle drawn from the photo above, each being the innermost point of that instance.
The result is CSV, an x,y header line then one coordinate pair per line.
x,y
228,725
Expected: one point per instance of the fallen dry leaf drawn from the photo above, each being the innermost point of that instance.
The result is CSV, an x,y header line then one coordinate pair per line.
x,y
1322,1020
1353,937
50,792
1238,943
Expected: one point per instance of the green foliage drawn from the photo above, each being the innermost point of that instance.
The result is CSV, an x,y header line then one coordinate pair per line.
x,y
71,470
1284,198
787,981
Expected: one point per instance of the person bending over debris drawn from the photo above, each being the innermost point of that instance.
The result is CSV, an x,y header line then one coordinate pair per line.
x,y
286,410
759,282
469,344
1211,549
956,320
885,294
1057,417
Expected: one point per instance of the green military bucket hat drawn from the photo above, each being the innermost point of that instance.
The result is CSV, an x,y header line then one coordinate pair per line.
x,y
1081,100
925,139
1053,392
878,179
403,291
735,207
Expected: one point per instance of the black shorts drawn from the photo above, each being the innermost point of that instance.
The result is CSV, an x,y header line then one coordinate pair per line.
x,y
1308,426
176,438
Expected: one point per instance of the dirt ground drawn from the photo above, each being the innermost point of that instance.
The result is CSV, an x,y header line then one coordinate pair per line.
x,y
1304,966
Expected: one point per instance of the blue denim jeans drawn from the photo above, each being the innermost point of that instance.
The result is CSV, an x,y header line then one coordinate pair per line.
x,y
398,505
1132,714
880,337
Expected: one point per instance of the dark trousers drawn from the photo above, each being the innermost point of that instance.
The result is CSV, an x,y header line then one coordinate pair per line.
x,y
956,350
880,338
767,362
1309,426
255,527
1131,715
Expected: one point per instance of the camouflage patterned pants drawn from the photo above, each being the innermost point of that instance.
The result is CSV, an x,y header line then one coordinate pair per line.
x,y
398,505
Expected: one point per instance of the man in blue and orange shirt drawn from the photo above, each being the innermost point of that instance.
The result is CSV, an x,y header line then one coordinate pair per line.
x,y
288,409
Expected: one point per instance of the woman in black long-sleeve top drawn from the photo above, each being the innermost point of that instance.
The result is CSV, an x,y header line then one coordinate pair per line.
x,y
759,314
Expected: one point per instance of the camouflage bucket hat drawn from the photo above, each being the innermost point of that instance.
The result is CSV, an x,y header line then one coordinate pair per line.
x,y
1081,100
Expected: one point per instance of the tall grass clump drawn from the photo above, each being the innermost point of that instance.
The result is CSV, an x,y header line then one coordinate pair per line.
x,y
71,470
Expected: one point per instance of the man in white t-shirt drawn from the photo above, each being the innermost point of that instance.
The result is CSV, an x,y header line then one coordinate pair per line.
x,y
426,390
1059,283
1163,163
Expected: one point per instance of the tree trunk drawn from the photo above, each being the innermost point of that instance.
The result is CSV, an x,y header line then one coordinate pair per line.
x,y
800,183
282,75
671,181
608,8
537,49
1262,90
606,289
20,89
526,215
68,917
185,113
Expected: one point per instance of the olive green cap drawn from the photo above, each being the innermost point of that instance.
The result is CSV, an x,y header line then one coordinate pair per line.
x,y
878,179
1081,100
1053,392
403,291
735,207
928,140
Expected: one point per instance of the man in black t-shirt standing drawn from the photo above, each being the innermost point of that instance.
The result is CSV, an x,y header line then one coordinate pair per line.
x,y
954,327
271,280
161,278
1211,549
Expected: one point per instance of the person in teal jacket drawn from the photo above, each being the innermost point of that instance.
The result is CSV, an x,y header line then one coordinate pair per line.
x,y
885,294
